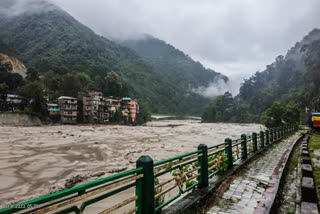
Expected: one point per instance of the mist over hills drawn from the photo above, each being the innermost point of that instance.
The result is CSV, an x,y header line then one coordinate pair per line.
x,y
293,78
47,38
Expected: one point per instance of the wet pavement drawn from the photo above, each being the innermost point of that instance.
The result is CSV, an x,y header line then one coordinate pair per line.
x,y
251,187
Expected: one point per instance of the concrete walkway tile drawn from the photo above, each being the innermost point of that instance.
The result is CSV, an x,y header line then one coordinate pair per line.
x,y
247,189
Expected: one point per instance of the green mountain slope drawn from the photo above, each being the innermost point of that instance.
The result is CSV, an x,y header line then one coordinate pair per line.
x,y
49,39
293,78
173,63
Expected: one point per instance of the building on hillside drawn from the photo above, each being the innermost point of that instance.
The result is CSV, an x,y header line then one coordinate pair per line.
x,y
84,107
53,109
130,109
96,97
93,107
113,106
68,109
13,101
103,113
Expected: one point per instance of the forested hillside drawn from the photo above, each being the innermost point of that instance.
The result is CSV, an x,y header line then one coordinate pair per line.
x,y
293,78
178,67
59,48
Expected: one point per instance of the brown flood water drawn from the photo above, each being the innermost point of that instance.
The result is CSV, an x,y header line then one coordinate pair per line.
x,y
35,159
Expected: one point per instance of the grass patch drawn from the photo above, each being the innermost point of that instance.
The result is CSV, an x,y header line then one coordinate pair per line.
x,y
314,145
315,142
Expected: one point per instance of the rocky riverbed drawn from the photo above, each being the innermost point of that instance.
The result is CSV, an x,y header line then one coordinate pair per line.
x,y
39,160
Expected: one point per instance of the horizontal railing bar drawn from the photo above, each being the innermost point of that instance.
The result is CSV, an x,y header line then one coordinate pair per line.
x,y
87,195
175,167
193,177
190,187
69,210
167,202
164,183
214,173
118,206
157,196
176,158
167,170
193,170
220,149
177,162
215,146
211,162
236,144
134,210
67,192
106,195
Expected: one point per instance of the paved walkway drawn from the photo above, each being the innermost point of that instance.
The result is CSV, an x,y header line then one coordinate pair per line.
x,y
249,186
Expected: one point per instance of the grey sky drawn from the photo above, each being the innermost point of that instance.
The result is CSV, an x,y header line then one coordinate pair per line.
x,y
235,37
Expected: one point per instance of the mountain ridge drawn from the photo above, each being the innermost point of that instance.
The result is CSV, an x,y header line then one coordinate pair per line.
x,y
54,41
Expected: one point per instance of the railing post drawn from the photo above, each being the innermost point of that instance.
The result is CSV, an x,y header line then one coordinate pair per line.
x,y
254,142
244,149
261,139
276,134
145,186
228,150
271,136
203,179
267,137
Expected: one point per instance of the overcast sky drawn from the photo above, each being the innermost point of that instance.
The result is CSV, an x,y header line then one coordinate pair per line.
x,y
235,37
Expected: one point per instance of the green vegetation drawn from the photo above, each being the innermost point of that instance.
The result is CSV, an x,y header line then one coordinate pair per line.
x,y
34,91
55,44
144,113
279,115
225,108
314,149
9,81
293,78
179,70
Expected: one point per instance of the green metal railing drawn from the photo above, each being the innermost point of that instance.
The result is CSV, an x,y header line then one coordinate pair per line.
x,y
154,185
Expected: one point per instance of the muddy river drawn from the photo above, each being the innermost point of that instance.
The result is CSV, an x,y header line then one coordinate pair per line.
x,y
37,160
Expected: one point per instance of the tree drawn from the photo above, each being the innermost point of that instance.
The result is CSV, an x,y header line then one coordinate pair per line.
x,y
273,115
74,82
5,66
312,63
4,89
34,92
144,114
32,74
292,114
12,80
221,109
278,115
52,82
114,85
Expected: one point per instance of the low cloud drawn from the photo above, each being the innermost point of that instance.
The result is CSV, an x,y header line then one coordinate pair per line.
x,y
235,38
246,34
13,8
